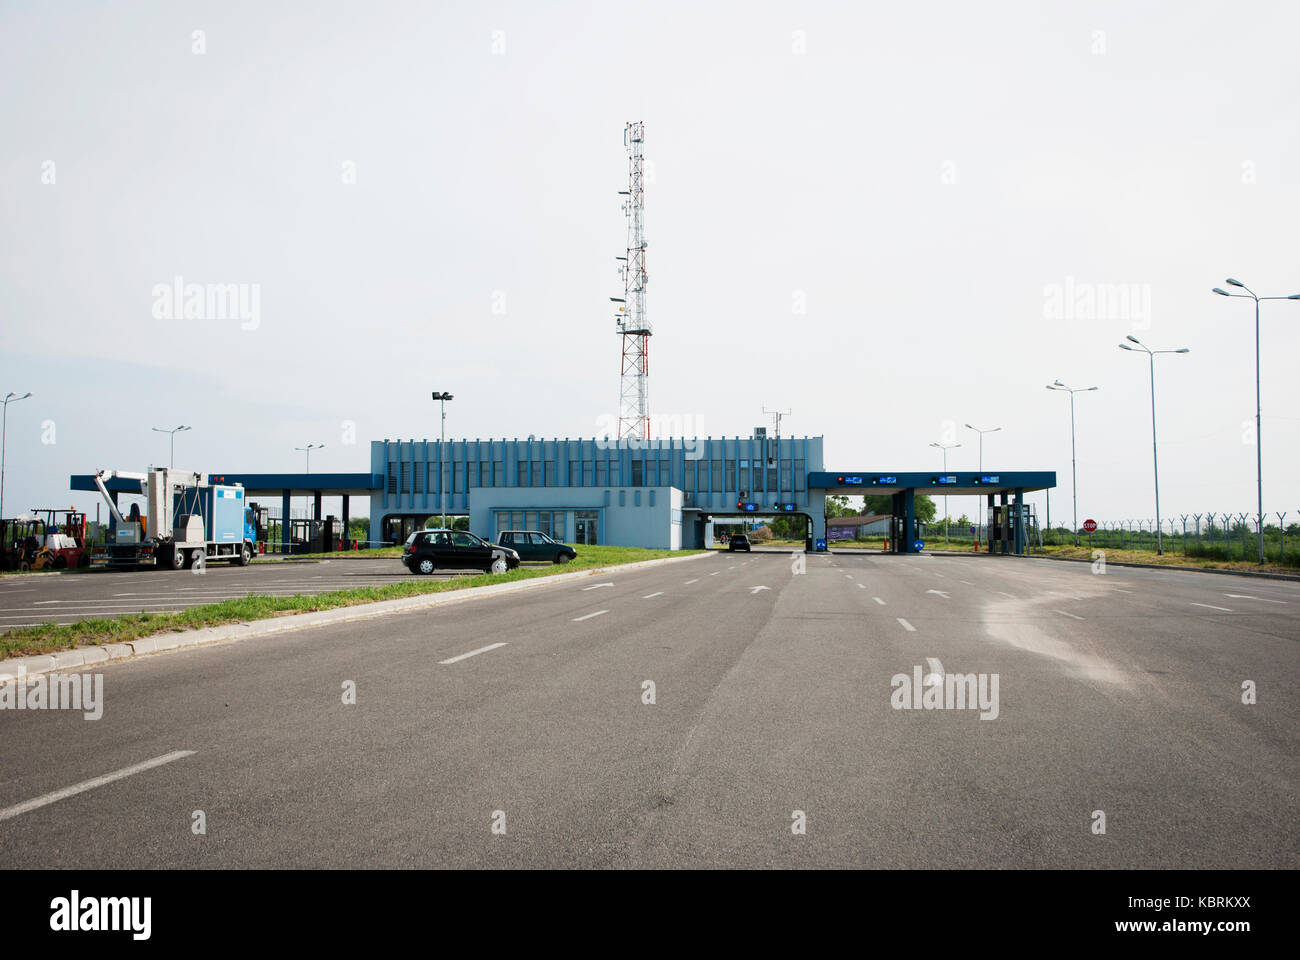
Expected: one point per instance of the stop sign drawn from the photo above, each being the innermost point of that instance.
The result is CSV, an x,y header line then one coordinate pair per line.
x,y
1089,525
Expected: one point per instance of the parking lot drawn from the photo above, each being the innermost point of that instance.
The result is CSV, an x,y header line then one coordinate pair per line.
x,y
68,597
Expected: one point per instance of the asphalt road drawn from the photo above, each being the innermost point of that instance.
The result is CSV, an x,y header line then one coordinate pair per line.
x,y
1119,693
68,597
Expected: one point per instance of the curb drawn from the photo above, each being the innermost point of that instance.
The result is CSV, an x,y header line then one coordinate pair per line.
x,y
19,667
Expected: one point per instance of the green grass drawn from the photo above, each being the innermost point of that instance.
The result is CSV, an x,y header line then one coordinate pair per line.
x,y
50,637
1170,558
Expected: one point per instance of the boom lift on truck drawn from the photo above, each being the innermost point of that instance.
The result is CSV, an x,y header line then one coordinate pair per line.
x,y
187,520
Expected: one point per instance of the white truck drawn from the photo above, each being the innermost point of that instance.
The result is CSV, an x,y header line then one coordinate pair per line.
x,y
186,521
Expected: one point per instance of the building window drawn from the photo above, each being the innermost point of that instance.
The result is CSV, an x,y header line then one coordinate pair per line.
x,y
587,477
392,477
498,473
688,481
652,497
731,475
601,477
622,498
786,483
665,472
636,498
717,477
771,479
537,474
406,477
575,473
544,522
614,473
549,469
636,473
652,473
800,475
530,520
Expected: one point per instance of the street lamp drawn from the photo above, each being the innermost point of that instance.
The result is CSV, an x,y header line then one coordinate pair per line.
x,y
981,469
1074,471
1155,458
442,399
945,447
10,397
1259,426
172,435
307,450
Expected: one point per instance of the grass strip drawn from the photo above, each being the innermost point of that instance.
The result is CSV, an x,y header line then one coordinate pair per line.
x,y
52,637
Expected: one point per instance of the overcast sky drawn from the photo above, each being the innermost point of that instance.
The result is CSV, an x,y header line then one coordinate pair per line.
x,y
893,219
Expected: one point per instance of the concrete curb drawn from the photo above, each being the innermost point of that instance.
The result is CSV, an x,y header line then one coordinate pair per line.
x,y
20,667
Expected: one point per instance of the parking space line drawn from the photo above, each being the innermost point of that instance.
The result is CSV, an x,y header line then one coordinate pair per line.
x,y
29,805
472,653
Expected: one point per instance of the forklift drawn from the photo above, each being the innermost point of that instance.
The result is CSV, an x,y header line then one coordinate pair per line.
x,y
64,544
20,541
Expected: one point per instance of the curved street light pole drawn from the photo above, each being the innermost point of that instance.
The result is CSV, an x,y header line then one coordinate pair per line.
x,y
10,397
981,470
1155,457
1074,470
945,447
171,462
1259,425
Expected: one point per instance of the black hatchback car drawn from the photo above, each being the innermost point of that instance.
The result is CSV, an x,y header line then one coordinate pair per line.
x,y
428,550
739,542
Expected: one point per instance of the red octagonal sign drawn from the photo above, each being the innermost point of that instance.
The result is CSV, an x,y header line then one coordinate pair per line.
x,y
1089,525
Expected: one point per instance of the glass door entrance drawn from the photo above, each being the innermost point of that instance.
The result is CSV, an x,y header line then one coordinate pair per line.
x,y
584,528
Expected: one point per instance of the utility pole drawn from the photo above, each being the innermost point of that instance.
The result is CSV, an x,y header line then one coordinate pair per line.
x,y
11,397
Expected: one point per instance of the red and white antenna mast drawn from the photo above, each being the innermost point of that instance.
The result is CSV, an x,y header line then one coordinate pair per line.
x,y
632,324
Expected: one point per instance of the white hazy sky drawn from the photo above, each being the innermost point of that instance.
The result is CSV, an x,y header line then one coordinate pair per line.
x,y
923,179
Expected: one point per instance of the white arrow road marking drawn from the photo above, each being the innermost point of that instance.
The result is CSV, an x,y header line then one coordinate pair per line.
x,y
935,677
1064,614
1210,606
754,590
906,626
879,601
657,593
472,653
689,582
85,785
940,593
589,616
597,586
1242,596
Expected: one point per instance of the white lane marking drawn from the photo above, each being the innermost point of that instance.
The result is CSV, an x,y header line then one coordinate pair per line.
x,y
1210,606
754,590
1005,594
1122,590
940,575
26,807
589,616
689,582
940,593
657,593
1242,596
597,586
906,626
967,582
862,586
715,573
472,653
879,601
1064,614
